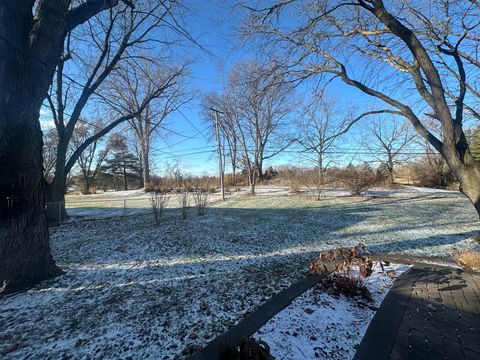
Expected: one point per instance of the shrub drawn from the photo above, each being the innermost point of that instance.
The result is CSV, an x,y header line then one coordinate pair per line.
x,y
468,259
345,284
90,191
341,259
158,200
270,173
293,177
431,171
338,264
201,198
184,201
358,179
316,182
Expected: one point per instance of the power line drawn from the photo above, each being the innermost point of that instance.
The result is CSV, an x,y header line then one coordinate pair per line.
x,y
191,124
182,141
298,152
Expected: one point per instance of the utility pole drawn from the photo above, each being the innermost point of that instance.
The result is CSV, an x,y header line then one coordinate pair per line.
x,y
220,165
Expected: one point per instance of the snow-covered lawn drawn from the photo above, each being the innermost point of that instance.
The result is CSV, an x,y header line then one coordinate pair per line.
x,y
134,202
320,325
134,289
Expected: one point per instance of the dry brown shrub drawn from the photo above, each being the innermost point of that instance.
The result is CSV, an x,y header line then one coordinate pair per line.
x,y
338,264
340,259
468,259
345,284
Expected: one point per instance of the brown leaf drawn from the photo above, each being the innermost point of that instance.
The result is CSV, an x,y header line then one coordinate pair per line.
x,y
391,273
363,270
309,311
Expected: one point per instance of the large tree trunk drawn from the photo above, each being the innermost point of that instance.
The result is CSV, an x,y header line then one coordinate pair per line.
x,y
320,169
30,48
146,168
463,167
86,184
56,190
24,240
260,170
390,170
469,178
252,179
24,79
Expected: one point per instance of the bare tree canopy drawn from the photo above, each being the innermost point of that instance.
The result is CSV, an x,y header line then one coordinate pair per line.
x,y
225,120
158,86
91,159
256,104
321,127
389,142
388,51
116,41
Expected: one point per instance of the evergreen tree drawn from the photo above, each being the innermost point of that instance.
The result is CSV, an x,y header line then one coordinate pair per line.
x,y
121,164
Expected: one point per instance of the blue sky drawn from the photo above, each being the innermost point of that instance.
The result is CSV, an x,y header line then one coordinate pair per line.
x,y
213,24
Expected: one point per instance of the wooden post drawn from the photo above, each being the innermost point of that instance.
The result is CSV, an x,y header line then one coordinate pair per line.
x,y
220,165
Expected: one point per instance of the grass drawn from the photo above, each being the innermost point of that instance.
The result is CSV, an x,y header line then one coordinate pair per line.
x,y
134,288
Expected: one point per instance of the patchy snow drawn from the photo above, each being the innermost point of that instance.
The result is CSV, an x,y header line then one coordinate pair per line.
x,y
120,203
132,202
319,325
135,289
447,264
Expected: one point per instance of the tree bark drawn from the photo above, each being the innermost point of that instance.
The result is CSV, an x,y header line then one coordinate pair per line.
x,y
252,179
390,169
145,167
56,190
320,169
234,179
260,171
30,48
468,175
24,239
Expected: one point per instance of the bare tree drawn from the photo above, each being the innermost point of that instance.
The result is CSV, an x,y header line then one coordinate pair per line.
x,y
31,38
444,37
128,90
226,125
321,128
116,39
255,106
393,47
159,201
91,159
390,143
265,99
